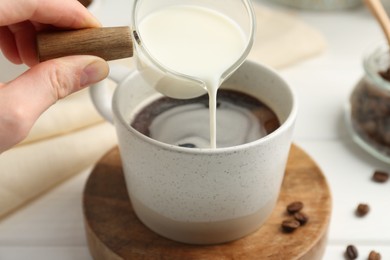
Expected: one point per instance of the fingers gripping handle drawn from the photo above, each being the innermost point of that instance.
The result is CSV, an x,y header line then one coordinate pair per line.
x,y
109,43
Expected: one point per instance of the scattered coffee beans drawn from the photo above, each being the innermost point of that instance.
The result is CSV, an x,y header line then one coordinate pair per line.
x,y
362,210
374,256
351,252
301,217
294,207
290,225
380,176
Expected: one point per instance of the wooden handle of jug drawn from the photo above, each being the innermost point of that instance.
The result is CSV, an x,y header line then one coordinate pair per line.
x,y
85,2
109,43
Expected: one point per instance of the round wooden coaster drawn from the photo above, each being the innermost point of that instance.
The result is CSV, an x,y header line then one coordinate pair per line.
x,y
114,232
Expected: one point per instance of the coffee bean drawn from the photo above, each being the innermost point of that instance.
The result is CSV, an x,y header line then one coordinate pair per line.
x,y
380,176
374,256
362,210
294,207
301,217
351,252
187,145
290,225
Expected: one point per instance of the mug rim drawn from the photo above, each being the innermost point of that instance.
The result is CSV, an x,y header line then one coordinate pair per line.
x,y
288,122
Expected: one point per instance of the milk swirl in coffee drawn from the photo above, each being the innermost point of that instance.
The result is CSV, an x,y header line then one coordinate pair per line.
x,y
194,41
241,119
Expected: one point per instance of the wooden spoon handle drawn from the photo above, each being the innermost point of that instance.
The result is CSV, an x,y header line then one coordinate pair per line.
x,y
380,14
109,43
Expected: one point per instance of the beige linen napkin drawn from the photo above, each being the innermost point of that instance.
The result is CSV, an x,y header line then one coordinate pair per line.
x,y
71,136
28,170
66,116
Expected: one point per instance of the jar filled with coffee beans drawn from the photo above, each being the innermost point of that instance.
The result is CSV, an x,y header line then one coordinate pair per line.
x,y
368,112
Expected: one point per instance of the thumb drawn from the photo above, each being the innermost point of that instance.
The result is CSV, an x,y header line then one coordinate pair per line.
x,y
24,99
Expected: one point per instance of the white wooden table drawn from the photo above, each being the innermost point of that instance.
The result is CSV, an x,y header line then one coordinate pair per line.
x,y
51,227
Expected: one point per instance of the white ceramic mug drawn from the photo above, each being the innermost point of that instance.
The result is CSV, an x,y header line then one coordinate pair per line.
x,y
202,196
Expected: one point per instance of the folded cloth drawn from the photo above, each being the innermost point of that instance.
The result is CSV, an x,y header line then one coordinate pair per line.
x,y
27,171
66,116
282,39
71,136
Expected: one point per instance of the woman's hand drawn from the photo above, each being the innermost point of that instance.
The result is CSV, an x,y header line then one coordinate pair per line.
x,y
25,98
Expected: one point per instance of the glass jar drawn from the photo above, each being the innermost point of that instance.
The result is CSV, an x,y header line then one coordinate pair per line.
x,y
368,113
320,4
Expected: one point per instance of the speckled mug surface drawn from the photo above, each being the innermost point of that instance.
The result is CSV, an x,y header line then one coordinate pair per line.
x,y
205,196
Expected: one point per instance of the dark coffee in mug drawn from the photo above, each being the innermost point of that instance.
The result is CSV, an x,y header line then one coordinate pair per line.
x,y
241,119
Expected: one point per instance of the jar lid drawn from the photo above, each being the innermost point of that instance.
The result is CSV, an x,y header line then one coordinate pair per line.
x,y
377,61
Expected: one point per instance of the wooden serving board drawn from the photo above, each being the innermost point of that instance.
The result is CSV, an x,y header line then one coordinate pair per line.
x,y
114,232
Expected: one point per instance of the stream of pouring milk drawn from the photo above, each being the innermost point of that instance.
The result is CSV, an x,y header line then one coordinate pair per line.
x,y
195,41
